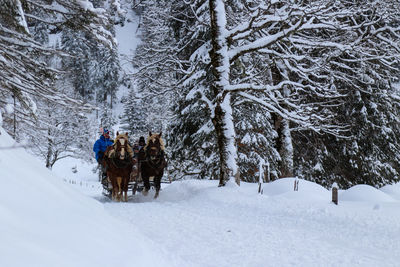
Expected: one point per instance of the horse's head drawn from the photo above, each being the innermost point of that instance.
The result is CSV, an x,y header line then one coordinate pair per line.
x,y
121,146
154,145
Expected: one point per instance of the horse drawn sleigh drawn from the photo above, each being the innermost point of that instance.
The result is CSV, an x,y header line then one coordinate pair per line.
x,y
138,174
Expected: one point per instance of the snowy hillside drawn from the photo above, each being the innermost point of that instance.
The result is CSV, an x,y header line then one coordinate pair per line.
x,y
45,222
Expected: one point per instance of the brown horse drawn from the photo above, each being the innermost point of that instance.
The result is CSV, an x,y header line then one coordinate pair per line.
x,y
153,162
119,162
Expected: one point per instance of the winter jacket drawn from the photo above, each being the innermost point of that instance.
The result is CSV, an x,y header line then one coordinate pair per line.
x,y
100,146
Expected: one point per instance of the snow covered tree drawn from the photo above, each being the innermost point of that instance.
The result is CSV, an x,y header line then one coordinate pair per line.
x,y
24,73
134,118
287,62
94,67
256,141
365,75
194,65
61,133
191,142
148,103
78,66
108,78
29,76
107,116
277,31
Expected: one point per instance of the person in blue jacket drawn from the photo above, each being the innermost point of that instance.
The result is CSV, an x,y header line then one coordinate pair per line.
x,y
100,147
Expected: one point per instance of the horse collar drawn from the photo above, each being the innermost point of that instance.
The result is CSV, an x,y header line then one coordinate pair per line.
x,y
154,163
124,162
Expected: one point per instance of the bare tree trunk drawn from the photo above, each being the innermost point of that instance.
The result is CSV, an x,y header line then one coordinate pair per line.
x,y
49,150
284,146
222,115
217,121
54,159
284,140
286,150
15,119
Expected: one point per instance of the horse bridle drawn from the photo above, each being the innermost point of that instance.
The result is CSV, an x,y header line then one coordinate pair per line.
x,y
116,160
155,161
124,146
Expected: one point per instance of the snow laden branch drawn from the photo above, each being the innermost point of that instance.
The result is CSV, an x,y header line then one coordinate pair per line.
x,y
76,14
25,75
299,116
263,21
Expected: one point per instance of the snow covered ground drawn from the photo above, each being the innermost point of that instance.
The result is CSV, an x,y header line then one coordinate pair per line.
x,y
60,218
45,221
209,226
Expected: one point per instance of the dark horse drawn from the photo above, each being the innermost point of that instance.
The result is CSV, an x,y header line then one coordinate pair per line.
x,y
153,162
119,166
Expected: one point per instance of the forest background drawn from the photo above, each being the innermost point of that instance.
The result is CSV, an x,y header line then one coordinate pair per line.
x,y
285,88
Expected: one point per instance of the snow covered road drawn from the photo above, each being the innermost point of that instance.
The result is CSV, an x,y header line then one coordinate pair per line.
x,y
203,225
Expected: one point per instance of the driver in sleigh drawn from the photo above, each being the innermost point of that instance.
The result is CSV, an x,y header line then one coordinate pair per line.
x,y
100,147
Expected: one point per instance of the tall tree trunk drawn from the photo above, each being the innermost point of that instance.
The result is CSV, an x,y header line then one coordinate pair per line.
x,y
49,149
286,151
222,114
282,126
15,119
284,146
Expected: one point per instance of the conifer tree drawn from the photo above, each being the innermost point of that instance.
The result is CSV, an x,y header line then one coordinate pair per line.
x,y
134,118
299,61
365,75
29,69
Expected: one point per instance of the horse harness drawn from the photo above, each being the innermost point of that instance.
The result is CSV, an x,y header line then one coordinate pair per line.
x,y
155,164
118,163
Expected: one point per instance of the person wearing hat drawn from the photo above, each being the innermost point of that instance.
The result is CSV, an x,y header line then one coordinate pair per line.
x,y
139,148
139,155
100,147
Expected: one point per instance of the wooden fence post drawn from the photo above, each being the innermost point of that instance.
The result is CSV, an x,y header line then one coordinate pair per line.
x,y
260,176
335,193
296,184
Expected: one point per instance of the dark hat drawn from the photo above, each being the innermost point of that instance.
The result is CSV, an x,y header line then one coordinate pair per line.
x,y
141,140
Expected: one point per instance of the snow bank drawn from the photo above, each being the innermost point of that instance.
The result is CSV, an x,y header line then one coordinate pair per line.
x,y
365,193
44,222
393,190
307,191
